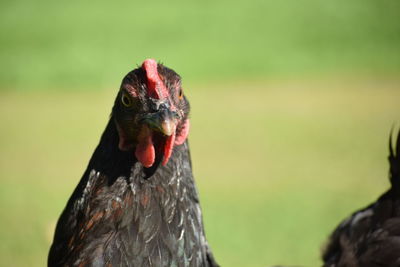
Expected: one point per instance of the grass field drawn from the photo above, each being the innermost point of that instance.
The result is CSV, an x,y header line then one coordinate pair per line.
x,y
75,44
278,163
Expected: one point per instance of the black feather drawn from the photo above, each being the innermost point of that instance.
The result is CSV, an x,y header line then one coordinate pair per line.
x,y
394,160
370,237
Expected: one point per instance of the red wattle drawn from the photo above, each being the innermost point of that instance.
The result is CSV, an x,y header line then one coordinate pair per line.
x,y
145,152
169,145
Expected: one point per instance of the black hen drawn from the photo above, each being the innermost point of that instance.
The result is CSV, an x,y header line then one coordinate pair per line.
x,y
371,237
137,203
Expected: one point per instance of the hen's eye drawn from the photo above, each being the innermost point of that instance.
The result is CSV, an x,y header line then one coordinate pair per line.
x,y
180,94
126,100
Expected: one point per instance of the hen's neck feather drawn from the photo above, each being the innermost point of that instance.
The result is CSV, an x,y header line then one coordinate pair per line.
x,y
107,158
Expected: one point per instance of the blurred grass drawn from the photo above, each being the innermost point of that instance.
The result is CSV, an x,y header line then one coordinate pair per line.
x,y
278,163
88,44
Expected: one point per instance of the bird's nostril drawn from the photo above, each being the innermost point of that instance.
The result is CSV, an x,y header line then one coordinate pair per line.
x,y
164,105
157,104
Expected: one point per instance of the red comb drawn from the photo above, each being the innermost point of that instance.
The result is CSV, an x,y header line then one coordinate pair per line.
x,y
155,86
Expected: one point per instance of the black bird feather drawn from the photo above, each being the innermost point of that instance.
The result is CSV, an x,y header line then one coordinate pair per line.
x,y
370,237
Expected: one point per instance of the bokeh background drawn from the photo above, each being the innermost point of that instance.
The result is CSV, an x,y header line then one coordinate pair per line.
x,y
292,105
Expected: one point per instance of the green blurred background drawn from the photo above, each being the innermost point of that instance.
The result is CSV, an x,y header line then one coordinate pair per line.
x,y
292,105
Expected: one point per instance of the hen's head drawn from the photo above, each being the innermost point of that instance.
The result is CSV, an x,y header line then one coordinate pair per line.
x,y
151,113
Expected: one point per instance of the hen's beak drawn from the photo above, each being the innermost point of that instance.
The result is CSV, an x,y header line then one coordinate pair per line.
x,y
163,121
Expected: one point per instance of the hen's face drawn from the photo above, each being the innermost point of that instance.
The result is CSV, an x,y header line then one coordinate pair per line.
x,y
151,113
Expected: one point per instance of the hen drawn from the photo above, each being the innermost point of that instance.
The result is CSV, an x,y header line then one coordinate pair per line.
x,y
137,203
370,237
